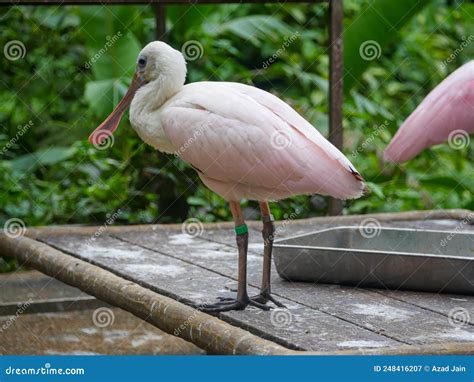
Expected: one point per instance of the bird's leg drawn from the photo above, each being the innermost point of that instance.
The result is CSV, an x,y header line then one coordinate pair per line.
x,y
242,300
268,233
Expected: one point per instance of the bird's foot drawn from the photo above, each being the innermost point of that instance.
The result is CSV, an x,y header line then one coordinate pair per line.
x,y
227,304
264,297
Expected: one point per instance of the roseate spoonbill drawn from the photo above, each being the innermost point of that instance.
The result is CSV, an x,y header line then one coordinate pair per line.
x,y
447,113
242,141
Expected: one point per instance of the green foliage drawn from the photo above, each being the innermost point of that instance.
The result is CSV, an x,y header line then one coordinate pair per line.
x,y
76,68
396,83
7,264
368,35
113,50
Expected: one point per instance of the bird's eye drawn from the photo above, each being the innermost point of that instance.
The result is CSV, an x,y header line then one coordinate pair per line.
x,y
141,62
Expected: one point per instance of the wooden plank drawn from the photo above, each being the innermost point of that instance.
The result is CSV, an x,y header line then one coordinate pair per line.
x,y
38,321
394,318
34,292
428,215
150,269
449,305
74,333
368,310
46,306
228,239
176,276
205,331
284,229
209,255
34,286
165,313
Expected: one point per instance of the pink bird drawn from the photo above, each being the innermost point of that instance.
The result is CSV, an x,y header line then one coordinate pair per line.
x,y
446,114
242,141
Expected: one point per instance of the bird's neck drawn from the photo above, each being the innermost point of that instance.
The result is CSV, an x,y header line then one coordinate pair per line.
x,y
153,95
145,111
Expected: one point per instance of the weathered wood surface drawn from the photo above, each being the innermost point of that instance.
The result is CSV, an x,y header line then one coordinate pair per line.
x,y
20,287
172,317
193,271
320,318
57,325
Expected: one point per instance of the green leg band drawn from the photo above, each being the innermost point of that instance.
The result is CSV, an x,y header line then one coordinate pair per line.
x,y
241,229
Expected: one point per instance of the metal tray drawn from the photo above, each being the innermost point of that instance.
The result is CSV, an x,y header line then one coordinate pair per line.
x,y
395,258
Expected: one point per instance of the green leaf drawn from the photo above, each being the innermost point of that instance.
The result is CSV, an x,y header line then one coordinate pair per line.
x,y
376,189
103,95
186,18
256,29
112,53
367,37
116,58
44,157
449,182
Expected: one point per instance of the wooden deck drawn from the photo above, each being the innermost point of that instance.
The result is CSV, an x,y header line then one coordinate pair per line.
x,y
58,319
195,269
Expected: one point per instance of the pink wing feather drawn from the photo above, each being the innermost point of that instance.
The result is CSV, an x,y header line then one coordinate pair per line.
x,y
246,142
448,108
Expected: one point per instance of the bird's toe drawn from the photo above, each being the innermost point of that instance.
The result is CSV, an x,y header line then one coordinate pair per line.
x,y
263,298
224,305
